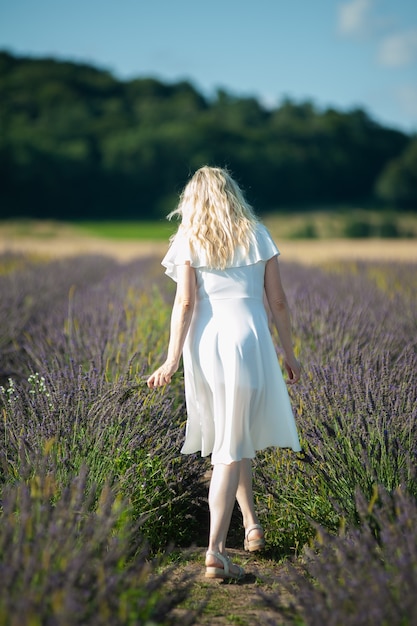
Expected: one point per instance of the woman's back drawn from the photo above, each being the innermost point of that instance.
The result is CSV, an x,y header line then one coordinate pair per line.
x,y
245,281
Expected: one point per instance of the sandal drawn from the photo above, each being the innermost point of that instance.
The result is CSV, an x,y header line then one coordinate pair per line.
x,y
252,545
223,572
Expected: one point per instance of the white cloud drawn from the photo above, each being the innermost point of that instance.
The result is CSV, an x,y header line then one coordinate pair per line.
x,y
407,97
399,49
353,17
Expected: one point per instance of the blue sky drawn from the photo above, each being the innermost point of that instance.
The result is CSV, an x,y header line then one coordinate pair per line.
x,y
345,53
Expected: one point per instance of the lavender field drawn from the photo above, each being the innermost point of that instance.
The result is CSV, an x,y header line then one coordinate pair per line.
x,y
93,488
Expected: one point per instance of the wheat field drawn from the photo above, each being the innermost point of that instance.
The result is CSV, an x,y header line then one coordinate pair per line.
x,y
50,239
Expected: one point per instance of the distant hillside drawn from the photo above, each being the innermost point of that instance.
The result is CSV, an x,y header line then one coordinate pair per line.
x,y
78,143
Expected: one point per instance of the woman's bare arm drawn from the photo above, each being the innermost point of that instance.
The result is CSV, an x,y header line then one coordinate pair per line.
x,y
181,315
278,304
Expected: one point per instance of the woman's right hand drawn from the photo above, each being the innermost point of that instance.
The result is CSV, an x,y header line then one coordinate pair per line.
x,y
162,376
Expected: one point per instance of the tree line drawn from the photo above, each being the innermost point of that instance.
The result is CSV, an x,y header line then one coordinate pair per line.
x,y
77,143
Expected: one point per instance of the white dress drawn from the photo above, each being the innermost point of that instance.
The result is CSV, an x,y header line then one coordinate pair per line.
x,y
237,401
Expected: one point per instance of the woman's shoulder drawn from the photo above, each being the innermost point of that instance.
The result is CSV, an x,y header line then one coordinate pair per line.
x,y
261,248
264,242
262,231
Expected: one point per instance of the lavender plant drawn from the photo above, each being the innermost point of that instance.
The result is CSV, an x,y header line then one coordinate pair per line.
x,y
363,576
121,431
72,556
356,405
77,389
30,292
86,393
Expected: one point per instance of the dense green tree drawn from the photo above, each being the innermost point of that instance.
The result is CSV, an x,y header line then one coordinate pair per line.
x,y
76,142
397,184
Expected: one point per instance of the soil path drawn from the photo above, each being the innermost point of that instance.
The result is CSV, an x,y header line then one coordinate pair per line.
x,y
218,603
54,242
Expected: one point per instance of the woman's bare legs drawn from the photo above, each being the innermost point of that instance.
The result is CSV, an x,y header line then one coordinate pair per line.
x,y
244,496
229,483
222,495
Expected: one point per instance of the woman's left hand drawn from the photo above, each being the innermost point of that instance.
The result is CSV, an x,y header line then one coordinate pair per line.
x,y
293,368
162,376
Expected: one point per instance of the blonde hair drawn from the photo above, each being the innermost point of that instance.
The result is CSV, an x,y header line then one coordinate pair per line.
x,y
215,216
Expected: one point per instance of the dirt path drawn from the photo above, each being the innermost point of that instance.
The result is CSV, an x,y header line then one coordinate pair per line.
x,y
310,252
224,603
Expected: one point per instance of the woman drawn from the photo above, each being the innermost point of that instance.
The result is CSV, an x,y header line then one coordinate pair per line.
x,y
223,261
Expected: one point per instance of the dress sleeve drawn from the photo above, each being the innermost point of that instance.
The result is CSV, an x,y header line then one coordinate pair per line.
x,y
262,248
178,253
265,247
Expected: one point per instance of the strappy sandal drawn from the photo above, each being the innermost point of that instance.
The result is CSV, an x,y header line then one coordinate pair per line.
x,y
252,545
223,572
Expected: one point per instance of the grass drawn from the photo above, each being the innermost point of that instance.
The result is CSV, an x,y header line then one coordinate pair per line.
x,y
327,223
159,230
117,230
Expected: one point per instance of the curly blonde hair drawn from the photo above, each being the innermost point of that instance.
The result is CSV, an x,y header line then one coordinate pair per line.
x,y
215,216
